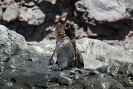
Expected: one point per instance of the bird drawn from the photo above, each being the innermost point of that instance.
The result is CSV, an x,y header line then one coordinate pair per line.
x,y
63,56
70,32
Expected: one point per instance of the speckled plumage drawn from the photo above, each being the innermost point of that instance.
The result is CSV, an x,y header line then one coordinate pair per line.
x,y
64,53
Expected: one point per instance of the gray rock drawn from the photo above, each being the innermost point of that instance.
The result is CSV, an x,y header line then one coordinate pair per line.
x,y
129,4
31,4
102,10
1,12
11,13
80,33
34,16
8,1
28,74
104,80
97,53
121,73
10,44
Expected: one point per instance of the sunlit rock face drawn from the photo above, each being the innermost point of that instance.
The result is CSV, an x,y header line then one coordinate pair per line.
x,y
10,44
103,10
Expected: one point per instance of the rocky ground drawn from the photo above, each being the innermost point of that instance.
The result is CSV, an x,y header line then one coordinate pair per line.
x,y
23,65
104,36
109,21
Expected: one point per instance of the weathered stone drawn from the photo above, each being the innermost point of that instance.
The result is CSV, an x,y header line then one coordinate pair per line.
x,y
8,1
31,4
11,13
23,16
34,16
100,51
122,74
80,33
31,66
10,44
103,10
1,13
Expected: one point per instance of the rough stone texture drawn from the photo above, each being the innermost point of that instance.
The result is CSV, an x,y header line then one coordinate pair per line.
x,y
11,13
10,44
67,79
95,50
25,70
103,10
119,72
34,16
1,12
80,33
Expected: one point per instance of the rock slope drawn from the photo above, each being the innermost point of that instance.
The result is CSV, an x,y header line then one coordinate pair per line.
x,y
24,65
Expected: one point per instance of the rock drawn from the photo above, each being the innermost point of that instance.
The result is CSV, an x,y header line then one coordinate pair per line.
x,y
47,45
1,12
11,13
10,44
129,5
80,33
52,1
30,4
104,81
8,1
34,16
98,53
102,10
122,74
30,70
23,14
31,74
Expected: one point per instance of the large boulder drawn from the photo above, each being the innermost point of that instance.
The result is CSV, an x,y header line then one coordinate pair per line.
x,y
97,53
10,44
103,10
